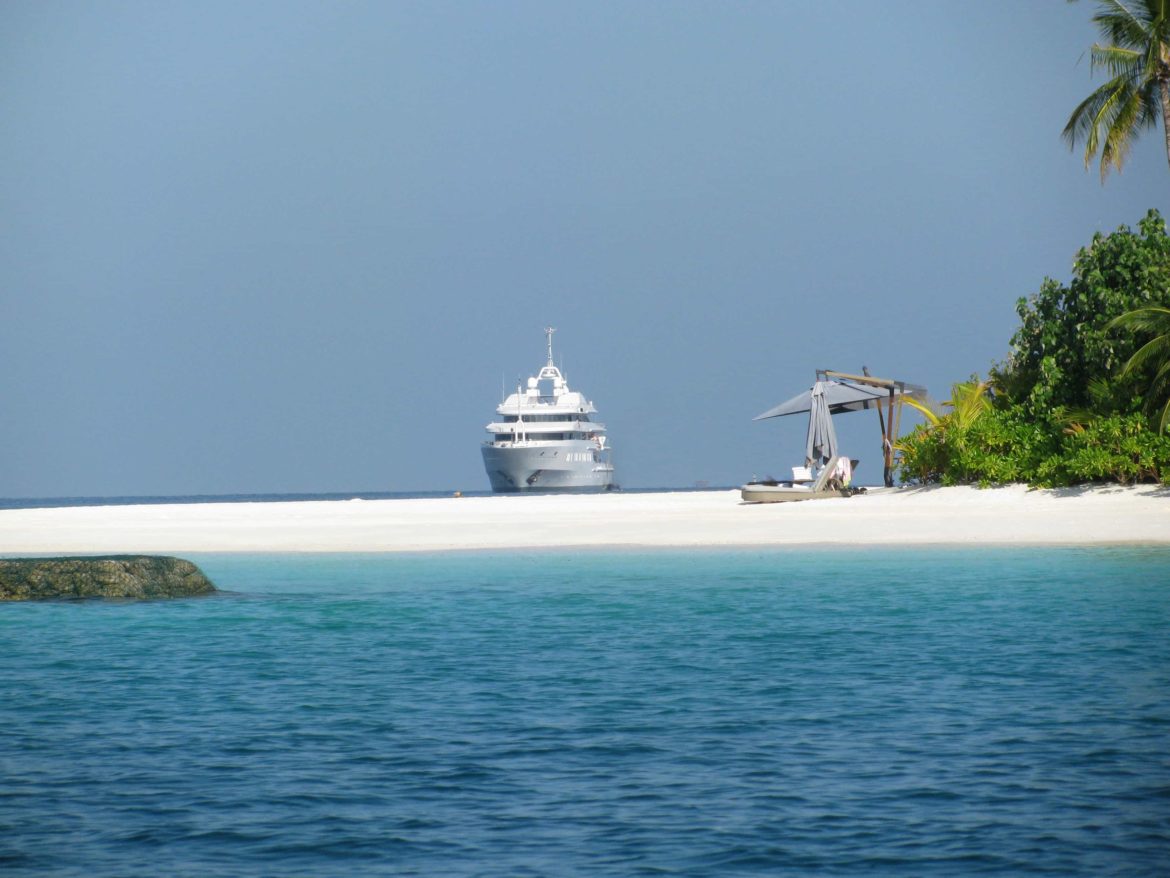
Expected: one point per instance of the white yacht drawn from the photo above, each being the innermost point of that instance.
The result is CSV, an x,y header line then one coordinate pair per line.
x,y
545,438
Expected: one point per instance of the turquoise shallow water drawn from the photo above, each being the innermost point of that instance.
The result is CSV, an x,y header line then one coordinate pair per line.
x,y
548,713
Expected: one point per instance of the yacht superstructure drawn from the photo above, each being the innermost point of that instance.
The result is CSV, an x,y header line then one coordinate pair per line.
x,y
545,438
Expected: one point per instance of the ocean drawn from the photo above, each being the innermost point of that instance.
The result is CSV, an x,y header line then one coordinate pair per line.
x,y
682,713
188,499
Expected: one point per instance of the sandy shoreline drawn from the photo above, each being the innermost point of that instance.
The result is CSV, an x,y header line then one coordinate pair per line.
x,y
1003,516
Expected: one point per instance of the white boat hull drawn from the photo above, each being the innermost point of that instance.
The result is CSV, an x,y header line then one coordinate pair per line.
x,y
756,493
563,467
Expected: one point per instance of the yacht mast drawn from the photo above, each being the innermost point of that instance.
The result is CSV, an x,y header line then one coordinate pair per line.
x,y
549,330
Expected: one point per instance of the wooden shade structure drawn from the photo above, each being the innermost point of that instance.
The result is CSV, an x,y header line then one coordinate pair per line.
x,y
892,421
845,392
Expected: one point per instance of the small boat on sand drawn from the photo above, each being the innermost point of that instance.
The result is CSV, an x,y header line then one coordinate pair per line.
x,y
832,481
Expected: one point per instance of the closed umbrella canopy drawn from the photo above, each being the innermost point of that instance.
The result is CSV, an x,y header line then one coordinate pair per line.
x,y
839,398
821,445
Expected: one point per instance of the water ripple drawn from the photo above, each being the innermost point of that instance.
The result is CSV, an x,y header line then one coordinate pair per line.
x,y
773,713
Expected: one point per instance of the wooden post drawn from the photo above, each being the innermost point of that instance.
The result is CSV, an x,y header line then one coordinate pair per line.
x,y
898,417
882,427
888,443
890,423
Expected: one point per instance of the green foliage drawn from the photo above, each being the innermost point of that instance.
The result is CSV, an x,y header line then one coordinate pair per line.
x,y
1154,354
1006,445
1114,449
996,446
1137,60
1067,406
1067,352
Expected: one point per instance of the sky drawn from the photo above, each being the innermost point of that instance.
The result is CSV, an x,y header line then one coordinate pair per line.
x,y
278,247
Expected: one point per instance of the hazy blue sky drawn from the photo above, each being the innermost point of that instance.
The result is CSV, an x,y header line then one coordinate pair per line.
x,y
282,246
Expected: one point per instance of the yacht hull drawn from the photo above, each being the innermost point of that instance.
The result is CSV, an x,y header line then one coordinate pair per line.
x,y
564,468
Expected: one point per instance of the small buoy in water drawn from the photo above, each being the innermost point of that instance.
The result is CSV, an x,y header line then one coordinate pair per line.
x,y
458,493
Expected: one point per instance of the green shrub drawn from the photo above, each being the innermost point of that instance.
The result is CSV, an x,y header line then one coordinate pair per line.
x,y
997,447
1008,445
1063,409
1120,448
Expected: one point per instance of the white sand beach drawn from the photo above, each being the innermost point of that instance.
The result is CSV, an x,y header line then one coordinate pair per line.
x,y
900,516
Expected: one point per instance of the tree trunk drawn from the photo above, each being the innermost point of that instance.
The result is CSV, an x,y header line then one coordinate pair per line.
x,y
1164,88
1164,91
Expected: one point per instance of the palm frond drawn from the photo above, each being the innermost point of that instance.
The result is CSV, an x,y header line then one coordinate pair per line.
x,y
1137,34
969,400
930,414
1087,119
1127,121
1100,392
1154,349
1161,377
1152,59
1116,60
1081,121
1125,23
1105,119
1152,319
1159,387
1074,420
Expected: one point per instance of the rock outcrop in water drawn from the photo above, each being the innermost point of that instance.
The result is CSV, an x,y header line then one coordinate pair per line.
x,y
117,576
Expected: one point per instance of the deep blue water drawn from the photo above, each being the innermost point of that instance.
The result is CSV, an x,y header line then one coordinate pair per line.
x,y
641,713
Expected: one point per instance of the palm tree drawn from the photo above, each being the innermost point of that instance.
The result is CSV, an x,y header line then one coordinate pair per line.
x,y
935,450
1155,353
1137,59
968,401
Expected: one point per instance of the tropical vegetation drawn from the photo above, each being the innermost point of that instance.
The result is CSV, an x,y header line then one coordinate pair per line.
x,y
1154,354
1067,351
1082,394
1136,57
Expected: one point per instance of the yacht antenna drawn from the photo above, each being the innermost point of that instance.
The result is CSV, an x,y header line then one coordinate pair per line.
x,y
549,330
